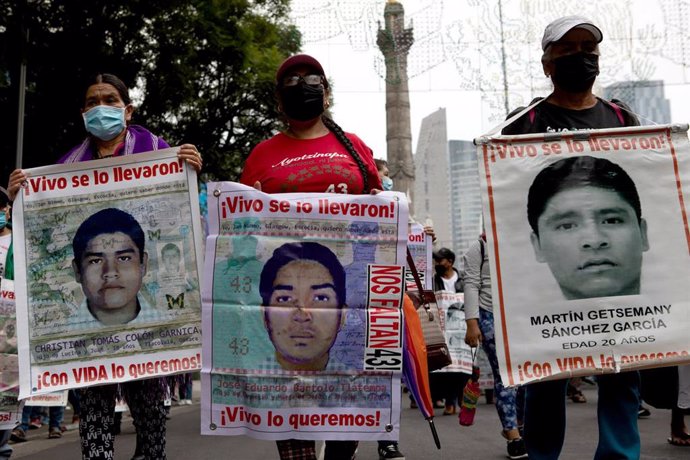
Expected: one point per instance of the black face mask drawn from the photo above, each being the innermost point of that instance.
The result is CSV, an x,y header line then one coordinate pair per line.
x,y
440,269
302,102
575,73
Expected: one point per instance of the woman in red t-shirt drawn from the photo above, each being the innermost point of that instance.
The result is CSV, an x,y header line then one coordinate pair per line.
x,y
312,155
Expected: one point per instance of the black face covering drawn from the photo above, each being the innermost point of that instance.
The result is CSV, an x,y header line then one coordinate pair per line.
x,y
440,269
575,72
302,102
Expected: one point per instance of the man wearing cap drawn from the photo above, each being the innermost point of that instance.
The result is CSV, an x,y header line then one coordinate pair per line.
x,y
447,277
571,59
447,385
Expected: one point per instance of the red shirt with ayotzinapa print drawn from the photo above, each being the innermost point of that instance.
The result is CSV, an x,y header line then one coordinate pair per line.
x,y
283,164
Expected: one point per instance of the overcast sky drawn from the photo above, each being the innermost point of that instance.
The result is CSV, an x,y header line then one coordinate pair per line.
x,y
455,61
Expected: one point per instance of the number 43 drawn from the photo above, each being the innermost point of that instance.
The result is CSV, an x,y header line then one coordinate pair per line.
x,y
339,188
239,346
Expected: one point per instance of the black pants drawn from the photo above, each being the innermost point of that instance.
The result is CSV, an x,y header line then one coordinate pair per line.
x,y
297,449
448,386
96,419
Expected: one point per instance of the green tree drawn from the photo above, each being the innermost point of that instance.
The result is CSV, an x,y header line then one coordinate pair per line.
x,y
203,71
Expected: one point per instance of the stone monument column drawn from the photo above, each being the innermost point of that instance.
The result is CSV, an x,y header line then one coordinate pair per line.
x,y
394,41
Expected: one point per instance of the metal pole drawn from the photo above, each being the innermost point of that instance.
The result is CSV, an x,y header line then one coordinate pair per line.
x,y
20,114
24,30
503,59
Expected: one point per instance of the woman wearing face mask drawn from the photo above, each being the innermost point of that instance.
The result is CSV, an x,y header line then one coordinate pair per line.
x,y
312,155
312,141
107,113
384,174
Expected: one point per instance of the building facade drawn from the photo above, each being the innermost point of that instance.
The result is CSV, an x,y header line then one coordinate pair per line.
x,y
465,198
645,98
432,185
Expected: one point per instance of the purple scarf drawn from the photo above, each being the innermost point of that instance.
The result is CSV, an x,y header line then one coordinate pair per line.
x,y
137,140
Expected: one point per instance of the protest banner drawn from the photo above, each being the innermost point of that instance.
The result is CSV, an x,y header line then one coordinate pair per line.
x,y
302,298
419,245
10,412
452,314
589,248
106,262
55,399
450,304
10,418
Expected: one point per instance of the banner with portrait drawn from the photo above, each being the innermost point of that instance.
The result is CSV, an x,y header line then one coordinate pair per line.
x,y
589,248
302,300
10,412
107,262
451,308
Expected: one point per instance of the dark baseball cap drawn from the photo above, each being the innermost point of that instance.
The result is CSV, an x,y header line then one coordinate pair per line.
x,y
444,253
297,60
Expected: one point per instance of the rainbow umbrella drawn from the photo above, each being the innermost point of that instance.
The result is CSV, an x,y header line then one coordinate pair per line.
x,y
415,369
470,395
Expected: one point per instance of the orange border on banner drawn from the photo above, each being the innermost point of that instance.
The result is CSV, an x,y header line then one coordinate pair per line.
x,y
497,269
676,171
489,187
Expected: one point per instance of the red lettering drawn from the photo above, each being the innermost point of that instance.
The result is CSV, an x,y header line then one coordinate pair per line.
x,y
378,289
240,204
44,184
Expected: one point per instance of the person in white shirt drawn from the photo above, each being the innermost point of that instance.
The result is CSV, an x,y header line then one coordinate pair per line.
x,y
448,385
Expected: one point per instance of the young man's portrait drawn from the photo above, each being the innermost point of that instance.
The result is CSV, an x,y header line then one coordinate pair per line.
x,y
171,257
587,226
303,292
110,264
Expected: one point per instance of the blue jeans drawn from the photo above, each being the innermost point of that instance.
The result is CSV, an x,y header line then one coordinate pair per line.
x,y
56,414
509,401
186,387
5,449
619,400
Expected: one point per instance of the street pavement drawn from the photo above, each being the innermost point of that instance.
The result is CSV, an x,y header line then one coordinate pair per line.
x,y
480,441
